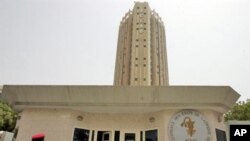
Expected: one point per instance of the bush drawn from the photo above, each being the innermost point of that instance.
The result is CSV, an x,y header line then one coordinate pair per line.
x,y
7,117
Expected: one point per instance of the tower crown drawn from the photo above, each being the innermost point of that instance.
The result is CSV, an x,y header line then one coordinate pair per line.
x,y
141,50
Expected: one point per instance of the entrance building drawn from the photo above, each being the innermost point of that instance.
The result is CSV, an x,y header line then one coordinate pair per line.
x,y
93,113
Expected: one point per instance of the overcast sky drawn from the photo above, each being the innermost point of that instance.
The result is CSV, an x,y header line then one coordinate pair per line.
x,y
73,42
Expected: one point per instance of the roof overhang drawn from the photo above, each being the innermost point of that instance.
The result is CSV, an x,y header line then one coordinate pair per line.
x,y
121,99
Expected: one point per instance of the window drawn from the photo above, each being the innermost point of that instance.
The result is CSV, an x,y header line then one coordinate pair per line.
x,y
220,135
129,136
103,136
141,136
144,65
117,135
81,135
151,135
93,134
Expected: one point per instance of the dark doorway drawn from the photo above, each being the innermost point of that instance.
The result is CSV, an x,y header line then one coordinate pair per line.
x,y
103,136
81,135
117,135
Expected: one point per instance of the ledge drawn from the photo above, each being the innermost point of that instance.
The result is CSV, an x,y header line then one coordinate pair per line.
x,y
120,99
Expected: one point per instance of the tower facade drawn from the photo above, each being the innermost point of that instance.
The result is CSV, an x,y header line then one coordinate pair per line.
x,y
141,58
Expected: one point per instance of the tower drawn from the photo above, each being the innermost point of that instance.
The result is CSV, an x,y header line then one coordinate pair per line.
x,y
141,50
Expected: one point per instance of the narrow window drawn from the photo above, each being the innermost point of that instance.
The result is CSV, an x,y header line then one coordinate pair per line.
x,y
117,135
93,134
141,136
220,135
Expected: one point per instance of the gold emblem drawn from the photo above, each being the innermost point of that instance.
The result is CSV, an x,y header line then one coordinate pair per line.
x,y
189,124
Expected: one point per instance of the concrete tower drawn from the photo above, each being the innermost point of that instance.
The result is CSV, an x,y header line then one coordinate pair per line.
x,y
141,51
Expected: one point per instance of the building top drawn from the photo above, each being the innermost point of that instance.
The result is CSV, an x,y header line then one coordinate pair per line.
x,y
122,99
141,50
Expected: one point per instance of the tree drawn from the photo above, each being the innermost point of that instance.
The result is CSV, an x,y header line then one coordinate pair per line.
x,y
240,111
7,117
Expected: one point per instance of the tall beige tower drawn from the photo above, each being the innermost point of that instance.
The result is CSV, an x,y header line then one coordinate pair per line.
x,y
141,51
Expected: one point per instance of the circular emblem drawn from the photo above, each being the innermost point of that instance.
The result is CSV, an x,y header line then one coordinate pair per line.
x,y
189,125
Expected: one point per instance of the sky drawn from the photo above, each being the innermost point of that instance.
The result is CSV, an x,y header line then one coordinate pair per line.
x,y
73,42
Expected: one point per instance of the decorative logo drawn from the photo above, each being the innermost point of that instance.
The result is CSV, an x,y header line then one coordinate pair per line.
x,y
189,125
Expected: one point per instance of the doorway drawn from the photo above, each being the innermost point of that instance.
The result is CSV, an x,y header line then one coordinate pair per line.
x,y
104,136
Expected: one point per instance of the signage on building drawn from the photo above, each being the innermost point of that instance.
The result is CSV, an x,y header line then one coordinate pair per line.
x,y
189,125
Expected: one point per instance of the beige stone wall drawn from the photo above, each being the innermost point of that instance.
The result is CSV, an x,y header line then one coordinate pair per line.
x,y
59,124
56,124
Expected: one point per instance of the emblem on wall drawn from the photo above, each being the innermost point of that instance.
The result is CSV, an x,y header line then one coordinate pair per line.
x,y
189,125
